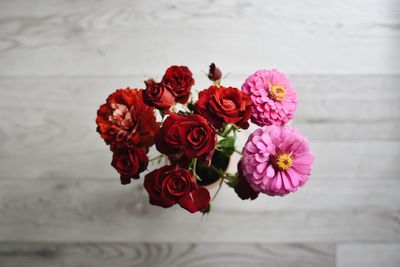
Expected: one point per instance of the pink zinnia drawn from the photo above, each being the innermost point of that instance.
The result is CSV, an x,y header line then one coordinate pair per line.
x,y
276,160
273,98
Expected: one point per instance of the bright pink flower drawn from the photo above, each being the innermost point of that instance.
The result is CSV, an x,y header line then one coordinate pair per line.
x,y
276,160
273,98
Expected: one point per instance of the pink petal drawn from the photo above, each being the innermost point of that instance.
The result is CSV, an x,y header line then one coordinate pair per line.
x,y
251,147
260,157
270,171
300,169
286,182
257,182
256,138
304,159
261,167
265,138
261,146
257,176
278,182
294,177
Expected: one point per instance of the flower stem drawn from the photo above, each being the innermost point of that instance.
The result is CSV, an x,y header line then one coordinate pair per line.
x,y
227,130
237,151
219,189
217,83
194,165
156,158
220,173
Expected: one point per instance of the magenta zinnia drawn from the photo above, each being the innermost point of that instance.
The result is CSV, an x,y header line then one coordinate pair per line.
x,y
276,160
273,98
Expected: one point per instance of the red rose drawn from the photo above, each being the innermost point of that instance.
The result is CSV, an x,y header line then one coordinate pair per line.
x,y
242,188
222,105
157,96
129,162
170,185
125,120
187,136
214,73
178,80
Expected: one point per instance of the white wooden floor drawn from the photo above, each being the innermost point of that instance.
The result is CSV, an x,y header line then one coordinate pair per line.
x,y
60,200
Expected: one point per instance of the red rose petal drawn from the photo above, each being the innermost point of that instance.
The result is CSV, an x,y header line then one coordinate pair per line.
x,y
196,200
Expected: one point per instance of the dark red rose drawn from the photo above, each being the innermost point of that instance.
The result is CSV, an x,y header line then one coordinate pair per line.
x,y
129,162
222,105
214,73
187,136
157,96
178,80
170,185
196,200
242,188
124,120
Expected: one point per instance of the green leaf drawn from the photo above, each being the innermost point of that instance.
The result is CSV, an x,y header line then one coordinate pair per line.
x,y
227,146
228,142
232,180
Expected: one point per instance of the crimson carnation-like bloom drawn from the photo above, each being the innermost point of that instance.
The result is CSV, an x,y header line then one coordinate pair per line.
x,y
129,162
274,100
182,137
125,120
276,160
221,105
170,185
178,80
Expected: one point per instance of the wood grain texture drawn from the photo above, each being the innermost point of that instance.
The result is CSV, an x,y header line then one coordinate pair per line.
x,y
60,200
134,37
107,211
164,255
48,123
368,255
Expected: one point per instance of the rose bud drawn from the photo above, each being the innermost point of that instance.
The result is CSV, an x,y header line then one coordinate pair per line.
x,y
156,95
178,80
170,185
214,74
129,162
221,105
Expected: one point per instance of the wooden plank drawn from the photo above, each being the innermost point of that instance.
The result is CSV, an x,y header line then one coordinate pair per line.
x,y
368,255
133,37
323,194
358,101
317,194
48,123
164,254
90,211
55,160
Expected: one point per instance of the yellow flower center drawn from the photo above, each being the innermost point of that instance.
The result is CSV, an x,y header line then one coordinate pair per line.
x,y
278,92
284,161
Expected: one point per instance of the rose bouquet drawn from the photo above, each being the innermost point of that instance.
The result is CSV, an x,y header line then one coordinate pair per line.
x,y
197,137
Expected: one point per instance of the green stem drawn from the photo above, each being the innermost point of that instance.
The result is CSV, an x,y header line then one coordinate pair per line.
x,y
156,158
222,174
217,82
194,165
237,151
219,189
227,130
